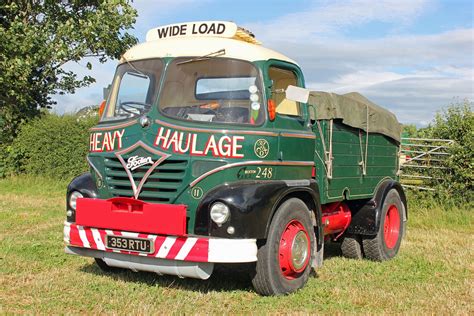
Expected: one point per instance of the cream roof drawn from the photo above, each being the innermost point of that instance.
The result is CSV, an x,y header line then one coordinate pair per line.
x,y
200,46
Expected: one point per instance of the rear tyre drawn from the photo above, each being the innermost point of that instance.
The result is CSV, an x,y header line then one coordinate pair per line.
x,y
104,267
284,261
386,243
351,247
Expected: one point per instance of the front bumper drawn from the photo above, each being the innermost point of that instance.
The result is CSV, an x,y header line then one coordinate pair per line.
x,y
182,248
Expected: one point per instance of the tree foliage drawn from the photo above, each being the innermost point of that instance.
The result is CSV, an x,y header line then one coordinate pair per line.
x,y
409,130
40,36
456,123
451,176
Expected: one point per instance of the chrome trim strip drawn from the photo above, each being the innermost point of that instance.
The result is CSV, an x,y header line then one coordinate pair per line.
x,y
254,162
297,183
110,127
94,168
223,131
299,135
200,270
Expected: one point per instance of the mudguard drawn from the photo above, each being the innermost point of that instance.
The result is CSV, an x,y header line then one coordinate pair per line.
x,y
252,205
366,215
85,185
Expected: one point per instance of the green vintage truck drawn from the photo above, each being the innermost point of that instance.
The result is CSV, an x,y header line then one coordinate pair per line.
x,y
209,150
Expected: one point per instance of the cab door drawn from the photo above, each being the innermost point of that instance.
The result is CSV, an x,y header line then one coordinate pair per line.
x,y
296,139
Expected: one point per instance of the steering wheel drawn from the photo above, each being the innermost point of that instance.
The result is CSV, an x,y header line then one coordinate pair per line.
x,y
206,108
130,106
211,106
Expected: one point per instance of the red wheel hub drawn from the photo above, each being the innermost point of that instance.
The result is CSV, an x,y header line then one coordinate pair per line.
x,y
391,227
294,251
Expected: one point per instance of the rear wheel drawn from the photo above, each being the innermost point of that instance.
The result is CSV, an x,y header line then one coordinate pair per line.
x,y
351,247
386,243
284,261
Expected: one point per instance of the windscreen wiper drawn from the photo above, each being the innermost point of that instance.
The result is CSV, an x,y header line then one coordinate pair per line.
x,y
135,74
133,67
220,52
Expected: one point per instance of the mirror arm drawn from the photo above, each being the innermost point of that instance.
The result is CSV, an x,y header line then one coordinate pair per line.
x,y
310,106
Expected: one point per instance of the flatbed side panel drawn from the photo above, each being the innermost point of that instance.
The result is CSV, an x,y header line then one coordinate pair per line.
x,y
349,153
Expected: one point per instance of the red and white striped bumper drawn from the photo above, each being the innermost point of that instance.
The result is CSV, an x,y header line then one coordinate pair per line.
x,y
193,249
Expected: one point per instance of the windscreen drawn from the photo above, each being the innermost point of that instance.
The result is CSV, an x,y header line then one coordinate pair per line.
x,y
134,89
217,90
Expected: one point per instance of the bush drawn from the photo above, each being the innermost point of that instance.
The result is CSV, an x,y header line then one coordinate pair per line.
x,y
456,123
52,145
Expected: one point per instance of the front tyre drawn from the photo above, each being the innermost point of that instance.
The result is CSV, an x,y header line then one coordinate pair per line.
x,y
104,267
386,243
284,261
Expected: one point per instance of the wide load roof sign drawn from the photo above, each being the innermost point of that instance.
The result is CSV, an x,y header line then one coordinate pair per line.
x,y
204,28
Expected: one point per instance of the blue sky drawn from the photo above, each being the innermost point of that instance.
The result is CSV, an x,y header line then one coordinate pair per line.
x,y
411,56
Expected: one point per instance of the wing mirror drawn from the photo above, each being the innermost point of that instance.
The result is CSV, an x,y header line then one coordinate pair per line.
x,y
297,94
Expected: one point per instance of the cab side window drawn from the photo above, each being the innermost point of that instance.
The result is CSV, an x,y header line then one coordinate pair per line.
x,y
282,78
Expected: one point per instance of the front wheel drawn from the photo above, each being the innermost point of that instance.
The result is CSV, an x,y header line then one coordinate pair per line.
x,y
386,243
284,261
104,267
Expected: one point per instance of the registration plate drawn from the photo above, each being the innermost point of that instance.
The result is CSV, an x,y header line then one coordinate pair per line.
x,y
129,244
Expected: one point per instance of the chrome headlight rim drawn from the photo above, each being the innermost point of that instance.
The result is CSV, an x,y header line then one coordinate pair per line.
x,y
219,213
73,196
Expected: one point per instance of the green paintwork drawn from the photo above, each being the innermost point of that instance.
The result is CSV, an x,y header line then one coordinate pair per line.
x,y
348,180
171,180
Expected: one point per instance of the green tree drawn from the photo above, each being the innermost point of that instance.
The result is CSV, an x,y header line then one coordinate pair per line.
x,y
456,123
39,36
409,130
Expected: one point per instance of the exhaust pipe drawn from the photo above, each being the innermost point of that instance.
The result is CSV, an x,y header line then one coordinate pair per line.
x,y
182,269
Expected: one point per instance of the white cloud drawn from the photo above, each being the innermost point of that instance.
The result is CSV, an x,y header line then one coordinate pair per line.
x,y
413,98
153,13
453,48
327,17
357,81
413,75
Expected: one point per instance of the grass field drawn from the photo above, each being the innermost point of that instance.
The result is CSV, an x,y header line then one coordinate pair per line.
x,y
432,274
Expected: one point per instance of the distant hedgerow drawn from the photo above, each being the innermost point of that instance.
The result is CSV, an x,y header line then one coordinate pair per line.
x,y
52,145
455,182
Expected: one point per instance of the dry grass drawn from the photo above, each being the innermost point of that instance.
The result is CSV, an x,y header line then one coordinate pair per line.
x,y
432,275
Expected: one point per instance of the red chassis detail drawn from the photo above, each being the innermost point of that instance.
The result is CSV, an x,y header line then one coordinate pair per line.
x,y
164,247
336,218
132,215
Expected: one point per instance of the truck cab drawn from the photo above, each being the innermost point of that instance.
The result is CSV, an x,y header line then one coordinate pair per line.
x,y
200,157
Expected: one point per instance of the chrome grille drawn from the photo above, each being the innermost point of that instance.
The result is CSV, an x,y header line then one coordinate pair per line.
x,y
162,186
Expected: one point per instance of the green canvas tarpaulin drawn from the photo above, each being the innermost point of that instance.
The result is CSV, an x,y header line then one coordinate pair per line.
x,y
356,111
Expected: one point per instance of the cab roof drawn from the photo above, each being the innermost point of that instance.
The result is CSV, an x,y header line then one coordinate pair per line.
x,y
200,39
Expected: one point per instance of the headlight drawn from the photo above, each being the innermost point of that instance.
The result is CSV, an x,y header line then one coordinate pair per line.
x,y
219,213
73,199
